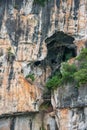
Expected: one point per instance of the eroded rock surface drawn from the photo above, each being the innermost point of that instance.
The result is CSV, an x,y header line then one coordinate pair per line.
x,y
32,37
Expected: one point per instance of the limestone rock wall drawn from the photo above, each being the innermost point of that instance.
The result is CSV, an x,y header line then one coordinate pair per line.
x,y
24,28
70,106
32,121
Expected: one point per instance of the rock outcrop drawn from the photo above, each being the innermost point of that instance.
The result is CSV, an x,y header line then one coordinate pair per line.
x,y
70,104
32,37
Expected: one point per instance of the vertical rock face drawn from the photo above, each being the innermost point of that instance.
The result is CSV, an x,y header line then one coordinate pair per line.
x,y
32,37
70,106
30,121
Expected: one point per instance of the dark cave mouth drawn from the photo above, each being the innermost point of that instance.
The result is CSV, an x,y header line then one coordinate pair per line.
x,y
61,37
60,47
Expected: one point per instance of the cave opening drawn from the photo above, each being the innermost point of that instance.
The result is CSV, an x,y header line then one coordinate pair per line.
x,y
37,63
61,48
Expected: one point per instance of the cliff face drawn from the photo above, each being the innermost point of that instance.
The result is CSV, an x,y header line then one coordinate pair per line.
x,y
32,37
70,106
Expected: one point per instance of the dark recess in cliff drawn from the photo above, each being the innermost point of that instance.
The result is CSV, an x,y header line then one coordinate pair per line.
x,y
76,2
60,48
12,127
76,7
58,3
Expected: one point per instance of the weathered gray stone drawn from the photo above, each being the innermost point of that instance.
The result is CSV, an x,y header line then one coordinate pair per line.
x,y
27,31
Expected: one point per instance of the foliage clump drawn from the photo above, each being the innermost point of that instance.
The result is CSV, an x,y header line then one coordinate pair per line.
x,y
67,71
81,75
71,73
31,76
54,82
83,55
66,74
10,55
40,2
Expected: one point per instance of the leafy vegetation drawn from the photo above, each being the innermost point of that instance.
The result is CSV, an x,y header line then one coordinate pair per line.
x,y
71,73
83,55
10,55
54,82
67,71
40,2
67,74
31,76
81,75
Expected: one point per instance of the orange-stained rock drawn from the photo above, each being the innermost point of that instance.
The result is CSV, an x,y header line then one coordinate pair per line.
x,y
20,98
25,30
80,45
63,115
71,61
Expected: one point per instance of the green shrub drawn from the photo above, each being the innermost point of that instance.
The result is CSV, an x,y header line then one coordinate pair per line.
x,y
67,75
31,76
67,72
54,82
40,2
83,55
82,59
10,55
81,77
71,73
